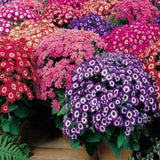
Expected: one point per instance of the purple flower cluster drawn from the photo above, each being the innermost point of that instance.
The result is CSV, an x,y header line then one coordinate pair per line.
x,y
92,22
112,90
158,20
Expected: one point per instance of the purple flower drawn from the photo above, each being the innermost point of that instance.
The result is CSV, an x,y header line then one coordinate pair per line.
x,y
92,22
116,92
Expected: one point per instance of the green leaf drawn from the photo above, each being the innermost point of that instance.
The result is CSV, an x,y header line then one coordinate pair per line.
x,y
5,125
21,112
74,144
59,122
115,149
63,111
15,124
91,148
126,142
136,146
13,107
93,138
120,140
54,111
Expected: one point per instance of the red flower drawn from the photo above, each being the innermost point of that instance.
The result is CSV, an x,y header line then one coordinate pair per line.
x,y
4,108
4,90
18,95
11,97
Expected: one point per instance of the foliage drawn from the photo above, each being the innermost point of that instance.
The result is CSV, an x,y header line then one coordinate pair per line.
x,y
10,149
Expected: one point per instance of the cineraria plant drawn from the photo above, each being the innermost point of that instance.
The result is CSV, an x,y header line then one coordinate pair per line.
x,y
92,22
128,11
57,57
99,7
12,14
28,30
110,99
16,78
133,38
151,58
60,14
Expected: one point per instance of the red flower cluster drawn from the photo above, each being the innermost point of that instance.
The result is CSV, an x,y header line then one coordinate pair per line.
x,y
100,7
60,14
151,58
16,71
74,3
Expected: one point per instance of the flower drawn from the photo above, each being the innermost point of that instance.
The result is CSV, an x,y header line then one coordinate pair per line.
x,y
117,92
151,59
133,38
16,71
59,14
12,14
92,22
32,31
58,55
4,108
99,7
55,104
158,20
135,10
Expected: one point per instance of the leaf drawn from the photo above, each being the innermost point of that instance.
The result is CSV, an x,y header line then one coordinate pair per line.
x,y
13,107
115,149
21,112
10,150
63,111
93,138
74,144
136,146
120,140
5,125
91,148
59,122
54,111
15,124
126,143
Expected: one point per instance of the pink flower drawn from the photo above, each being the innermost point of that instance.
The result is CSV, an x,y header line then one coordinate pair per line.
x,y
55,104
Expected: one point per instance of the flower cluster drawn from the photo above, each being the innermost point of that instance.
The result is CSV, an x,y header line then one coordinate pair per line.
x,y
99,7
109,91
132,38
12,14
58,55
92,22
16,72
32,31
151,58
32,4
135,10
2,2
158,20
74,3
60,14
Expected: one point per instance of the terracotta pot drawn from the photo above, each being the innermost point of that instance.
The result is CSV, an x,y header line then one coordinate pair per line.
x,y
104,152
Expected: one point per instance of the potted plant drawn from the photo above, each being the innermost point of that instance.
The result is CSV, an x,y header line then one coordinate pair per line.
x,y
57,57
16,79
110,99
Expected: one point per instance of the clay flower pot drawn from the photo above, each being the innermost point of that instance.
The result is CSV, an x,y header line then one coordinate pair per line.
x,y
104,152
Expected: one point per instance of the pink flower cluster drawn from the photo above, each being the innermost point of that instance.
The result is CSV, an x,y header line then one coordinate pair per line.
x,y
14,13
132,38
135,10
60,14
32,4
58,55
